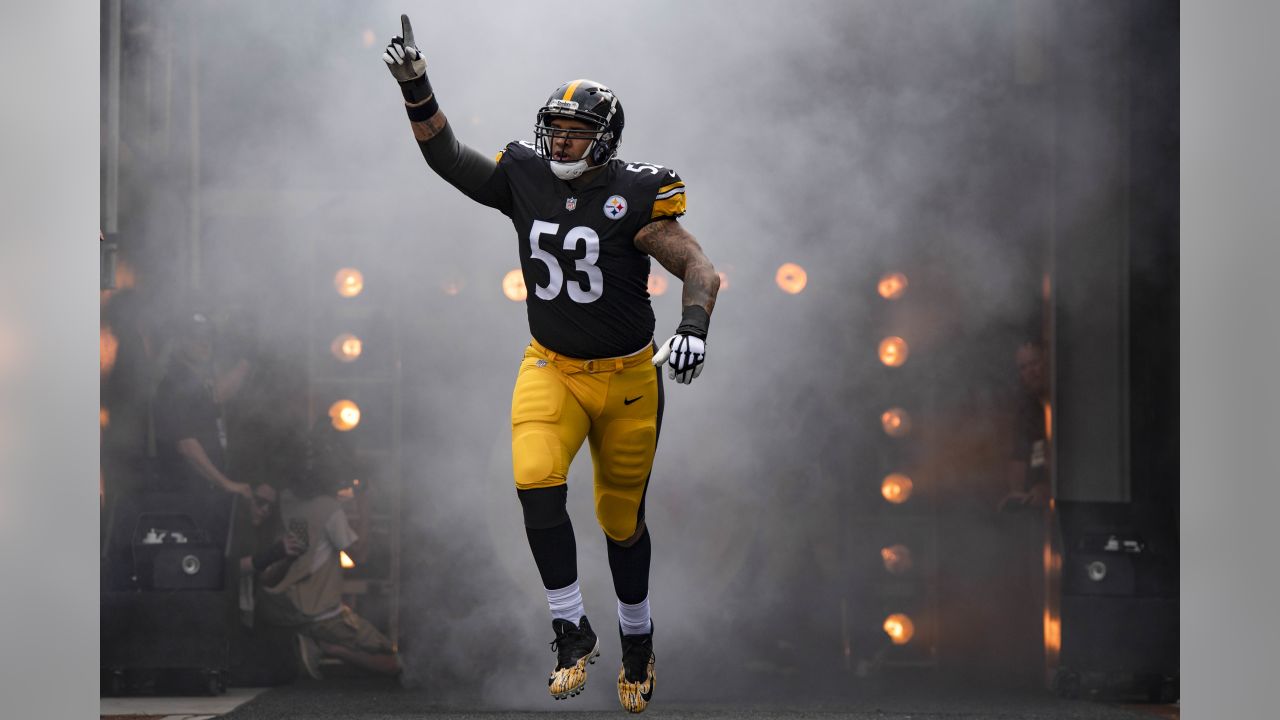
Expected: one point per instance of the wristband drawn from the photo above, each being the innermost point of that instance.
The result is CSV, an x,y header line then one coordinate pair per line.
x,y
423,112
416,91
695,320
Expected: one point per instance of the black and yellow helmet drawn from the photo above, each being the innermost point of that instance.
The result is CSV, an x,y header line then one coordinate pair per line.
x,y
590,102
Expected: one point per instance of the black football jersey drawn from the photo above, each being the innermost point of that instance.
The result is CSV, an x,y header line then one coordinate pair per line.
x,y
587,282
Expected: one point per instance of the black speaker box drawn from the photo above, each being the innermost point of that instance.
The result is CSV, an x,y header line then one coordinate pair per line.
x,y
1119,605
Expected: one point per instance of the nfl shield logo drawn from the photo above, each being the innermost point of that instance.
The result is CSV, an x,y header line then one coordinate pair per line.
x,y
571,203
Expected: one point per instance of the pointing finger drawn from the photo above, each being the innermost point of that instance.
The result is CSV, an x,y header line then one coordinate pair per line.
x,y
407,30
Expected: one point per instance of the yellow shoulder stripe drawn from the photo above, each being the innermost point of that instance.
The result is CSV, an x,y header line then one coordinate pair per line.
x,y
672,186
498,158
672,206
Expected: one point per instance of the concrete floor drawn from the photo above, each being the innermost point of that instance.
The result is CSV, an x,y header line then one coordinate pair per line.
x,y
371,699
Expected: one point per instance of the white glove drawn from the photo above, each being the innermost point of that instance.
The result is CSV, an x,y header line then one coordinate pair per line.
x,y
685,354
401,49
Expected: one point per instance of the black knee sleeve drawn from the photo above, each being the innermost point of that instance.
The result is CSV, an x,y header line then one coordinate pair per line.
x,y
544,507
550,535
630,568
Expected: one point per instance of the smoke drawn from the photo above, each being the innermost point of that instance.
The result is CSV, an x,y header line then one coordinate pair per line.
x,y
851,138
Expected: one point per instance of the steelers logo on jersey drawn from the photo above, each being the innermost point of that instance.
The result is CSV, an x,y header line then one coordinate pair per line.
x,y
615,207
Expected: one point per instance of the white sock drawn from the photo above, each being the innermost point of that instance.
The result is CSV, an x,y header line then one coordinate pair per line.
x,y
634,619
566,603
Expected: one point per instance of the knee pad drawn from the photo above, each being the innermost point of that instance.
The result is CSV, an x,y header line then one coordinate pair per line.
x,y
627,452
544,507
535,453
618,515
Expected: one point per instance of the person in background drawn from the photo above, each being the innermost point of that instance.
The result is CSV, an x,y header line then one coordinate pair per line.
x,y
1028,466
308,598
265,654
191,438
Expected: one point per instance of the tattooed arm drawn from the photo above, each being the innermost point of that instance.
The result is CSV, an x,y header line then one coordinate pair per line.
x,y
679,252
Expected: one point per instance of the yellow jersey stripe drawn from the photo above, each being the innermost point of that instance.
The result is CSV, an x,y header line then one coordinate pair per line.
x,y
672,186
572,87
498,158
668,207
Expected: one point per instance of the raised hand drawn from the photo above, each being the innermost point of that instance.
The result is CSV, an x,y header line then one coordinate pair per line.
x,y
402,56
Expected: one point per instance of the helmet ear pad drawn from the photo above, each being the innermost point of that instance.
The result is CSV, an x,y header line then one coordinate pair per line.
x,y
603,148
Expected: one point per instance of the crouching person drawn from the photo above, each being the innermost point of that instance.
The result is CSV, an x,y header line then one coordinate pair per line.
x,y
308,598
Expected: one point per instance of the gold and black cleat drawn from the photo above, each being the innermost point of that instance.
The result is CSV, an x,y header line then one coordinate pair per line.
x,y
636,679
576,647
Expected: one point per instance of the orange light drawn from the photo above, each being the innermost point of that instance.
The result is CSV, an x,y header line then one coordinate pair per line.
x,y
792,278
893,351
896,422
657,285
1052,621
1052,633
892,286
724,281
1048,421
345,560
125,279
513,286
344,415
899,628
107,347
897,559
125,276
346,347
368,38
896,488
104,418
349,282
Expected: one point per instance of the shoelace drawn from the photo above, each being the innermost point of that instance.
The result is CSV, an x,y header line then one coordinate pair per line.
x,y
564,646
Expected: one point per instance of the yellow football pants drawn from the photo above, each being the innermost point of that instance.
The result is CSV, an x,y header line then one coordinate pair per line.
x,y
615,403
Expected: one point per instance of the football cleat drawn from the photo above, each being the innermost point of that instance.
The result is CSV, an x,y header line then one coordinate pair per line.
x,y
575,648
636,679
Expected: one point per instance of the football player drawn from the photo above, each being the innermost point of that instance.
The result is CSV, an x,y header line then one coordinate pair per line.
x,y
587,225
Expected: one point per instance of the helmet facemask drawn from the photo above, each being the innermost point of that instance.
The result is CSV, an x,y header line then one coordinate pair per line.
x,y
588,102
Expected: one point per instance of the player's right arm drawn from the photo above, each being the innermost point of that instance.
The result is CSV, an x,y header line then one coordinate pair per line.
x,y
475,174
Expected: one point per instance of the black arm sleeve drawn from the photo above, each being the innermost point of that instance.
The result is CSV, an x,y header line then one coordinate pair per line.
x,y
478,177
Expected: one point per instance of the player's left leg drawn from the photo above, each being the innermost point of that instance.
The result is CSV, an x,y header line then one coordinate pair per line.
x,y
623,440
629,563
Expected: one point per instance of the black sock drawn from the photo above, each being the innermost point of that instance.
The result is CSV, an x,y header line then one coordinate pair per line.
x,y
556,553
630,567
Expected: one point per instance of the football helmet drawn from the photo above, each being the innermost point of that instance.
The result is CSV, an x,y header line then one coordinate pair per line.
x,y
592,103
